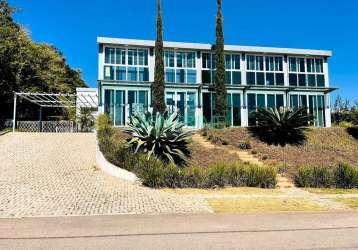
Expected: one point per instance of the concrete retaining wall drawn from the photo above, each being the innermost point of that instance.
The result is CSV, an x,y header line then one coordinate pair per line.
x,y
113,170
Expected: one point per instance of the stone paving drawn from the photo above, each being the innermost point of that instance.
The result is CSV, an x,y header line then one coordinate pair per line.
x,y
55,175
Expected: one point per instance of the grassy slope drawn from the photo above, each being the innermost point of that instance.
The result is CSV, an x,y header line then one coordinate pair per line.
x,y
201,156
324,146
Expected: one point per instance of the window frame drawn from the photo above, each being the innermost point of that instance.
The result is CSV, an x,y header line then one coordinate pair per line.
x,y
126,65
184,67
264,70
306,73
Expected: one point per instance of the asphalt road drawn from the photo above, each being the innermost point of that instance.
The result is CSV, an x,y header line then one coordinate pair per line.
x,y
201,231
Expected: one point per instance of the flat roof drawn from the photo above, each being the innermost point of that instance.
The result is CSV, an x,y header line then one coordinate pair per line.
x,y
203,46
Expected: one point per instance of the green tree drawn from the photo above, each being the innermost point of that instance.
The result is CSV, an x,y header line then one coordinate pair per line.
x,y
29,66
158,85
220,87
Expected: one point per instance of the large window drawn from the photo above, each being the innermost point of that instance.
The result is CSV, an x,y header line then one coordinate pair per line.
x,y
232,68
255,101
115,104
185,103
306,72
125,64
264,70
314,105
180,67
233,112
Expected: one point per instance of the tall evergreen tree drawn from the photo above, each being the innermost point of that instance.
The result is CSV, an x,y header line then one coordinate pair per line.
x,y
220,87
158,85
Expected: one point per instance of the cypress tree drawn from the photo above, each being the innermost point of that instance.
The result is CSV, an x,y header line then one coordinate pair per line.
x,y
158,87
220,87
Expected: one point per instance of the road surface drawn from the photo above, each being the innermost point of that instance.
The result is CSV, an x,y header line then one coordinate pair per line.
x,y
330,230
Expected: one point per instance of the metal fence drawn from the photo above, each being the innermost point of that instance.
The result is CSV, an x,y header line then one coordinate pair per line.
x,y
5,124
46,126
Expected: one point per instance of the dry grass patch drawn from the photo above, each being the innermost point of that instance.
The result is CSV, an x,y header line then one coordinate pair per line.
x,y
332,190
323,146
350,202
262,205
204,157
225,191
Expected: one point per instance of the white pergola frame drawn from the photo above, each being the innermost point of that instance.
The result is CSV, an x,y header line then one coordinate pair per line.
x,y
51,100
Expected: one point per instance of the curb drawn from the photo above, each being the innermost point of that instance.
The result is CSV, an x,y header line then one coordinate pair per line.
x,y
111,169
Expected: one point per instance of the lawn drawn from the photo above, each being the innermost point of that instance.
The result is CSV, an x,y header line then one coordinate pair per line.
x,y
328,191
262,205
350,202
224,191
324,146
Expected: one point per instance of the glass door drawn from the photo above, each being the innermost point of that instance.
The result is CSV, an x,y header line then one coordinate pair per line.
x,y
190,109
119,115
181,105
137,101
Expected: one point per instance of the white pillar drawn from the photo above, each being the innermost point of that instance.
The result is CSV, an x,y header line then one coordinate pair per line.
x,y
285,71
14,114
327,111
244,117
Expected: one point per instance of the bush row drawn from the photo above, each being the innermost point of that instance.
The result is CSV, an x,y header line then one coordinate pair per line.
x,y
155,173
342,176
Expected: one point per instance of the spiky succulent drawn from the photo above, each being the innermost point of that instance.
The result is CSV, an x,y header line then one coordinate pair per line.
x,y
162,136
281,126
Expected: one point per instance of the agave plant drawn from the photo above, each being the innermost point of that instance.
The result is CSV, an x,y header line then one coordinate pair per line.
x,y
281,126
161,136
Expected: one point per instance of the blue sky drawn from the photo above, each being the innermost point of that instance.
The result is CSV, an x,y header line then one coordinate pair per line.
x,y
73,26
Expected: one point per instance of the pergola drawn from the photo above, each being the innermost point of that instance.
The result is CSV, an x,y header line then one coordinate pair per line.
x,y
51,100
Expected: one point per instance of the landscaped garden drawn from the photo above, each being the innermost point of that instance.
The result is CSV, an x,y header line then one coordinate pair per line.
x,y
161,154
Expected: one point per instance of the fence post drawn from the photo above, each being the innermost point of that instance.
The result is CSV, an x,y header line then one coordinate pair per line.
x,y
14,115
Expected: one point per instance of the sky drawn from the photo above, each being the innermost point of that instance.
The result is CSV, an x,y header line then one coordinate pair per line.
x,y
73,26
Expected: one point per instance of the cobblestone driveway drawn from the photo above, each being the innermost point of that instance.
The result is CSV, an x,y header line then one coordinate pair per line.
x,y
55,175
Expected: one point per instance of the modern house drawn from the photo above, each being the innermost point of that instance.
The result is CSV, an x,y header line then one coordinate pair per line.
x,y
255,76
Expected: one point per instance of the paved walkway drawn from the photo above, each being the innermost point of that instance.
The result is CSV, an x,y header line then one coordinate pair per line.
x,y
201,231
55,175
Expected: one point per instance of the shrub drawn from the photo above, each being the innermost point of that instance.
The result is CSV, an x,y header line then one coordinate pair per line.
x,y
345,124
194,177
317,177
245,144
353,131
281,126
156,174
341,176
345,176
104,128
152,172
162,137
217,175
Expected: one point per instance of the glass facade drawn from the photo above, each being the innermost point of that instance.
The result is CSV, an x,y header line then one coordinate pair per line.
x,y
180,67
233,112
185,103
264,70
232,68
115,107
313,103
306,72
122,64
258,100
